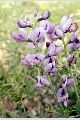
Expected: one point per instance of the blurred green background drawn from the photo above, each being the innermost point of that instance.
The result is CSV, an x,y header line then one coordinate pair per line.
x,y
14,79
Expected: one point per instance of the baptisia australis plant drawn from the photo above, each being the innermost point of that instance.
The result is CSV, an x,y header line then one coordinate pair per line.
x,y
48,33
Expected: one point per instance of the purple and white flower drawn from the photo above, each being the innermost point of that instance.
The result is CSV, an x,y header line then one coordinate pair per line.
x,y
71,59
74,42
21,37
42,82
54,50
48,27
50,65
67,81
67,25
44,16
33,60
56,34
24,23
37,35
62,95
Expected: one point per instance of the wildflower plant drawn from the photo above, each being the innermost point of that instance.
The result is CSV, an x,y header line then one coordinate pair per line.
x,y
55,57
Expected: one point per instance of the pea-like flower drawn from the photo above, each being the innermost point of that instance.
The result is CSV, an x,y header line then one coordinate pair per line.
x,y
24,23
50,65
33,60
56,34
74,42
54,50
37,36
21,37
67,25
44,16
67,81
48,27
42,82
62,95
28,60
71,59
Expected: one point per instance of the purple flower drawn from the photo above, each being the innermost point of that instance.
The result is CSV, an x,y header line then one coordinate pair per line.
x,y
62,96
28,60
44,16
67,81
71,59
42,82
48,60
21,37
52,36
48,27
67,25
37,35
74,42
33,60
40,56
54,49
51,28
50,68
24,23
50,65
56,34
39,86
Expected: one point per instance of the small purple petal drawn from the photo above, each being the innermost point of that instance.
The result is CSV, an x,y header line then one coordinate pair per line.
x,y
54,70
44,24
23,24
63,20
44,16
23,33
59,33
51,28
44,81
17,37
66,23
37,35
40,56
71,59
54,50
48,67
70,81
39,86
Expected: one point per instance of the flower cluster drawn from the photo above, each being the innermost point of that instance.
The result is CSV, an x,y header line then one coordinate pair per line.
x,y
33,60
36,37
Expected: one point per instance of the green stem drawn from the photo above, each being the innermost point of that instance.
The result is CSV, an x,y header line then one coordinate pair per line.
x,y
52,88
30,78
76,91
38,72
64,48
